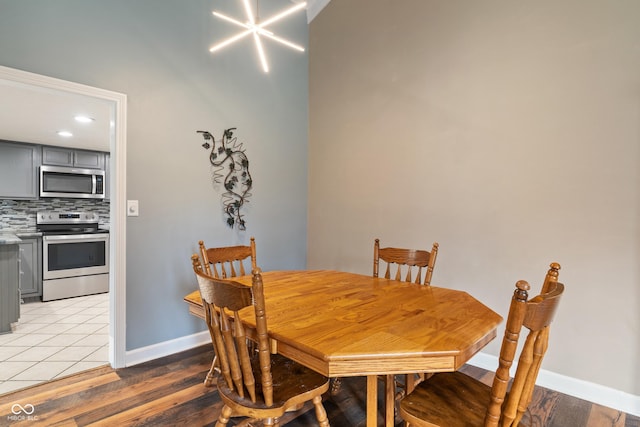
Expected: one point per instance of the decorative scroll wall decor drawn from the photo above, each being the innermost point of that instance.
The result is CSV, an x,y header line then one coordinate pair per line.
x,y
227,155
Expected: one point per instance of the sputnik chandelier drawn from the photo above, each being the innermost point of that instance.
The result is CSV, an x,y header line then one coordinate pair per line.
x,y
254,27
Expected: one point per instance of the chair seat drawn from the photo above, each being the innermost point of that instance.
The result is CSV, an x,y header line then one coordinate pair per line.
x,y
292,383
450,399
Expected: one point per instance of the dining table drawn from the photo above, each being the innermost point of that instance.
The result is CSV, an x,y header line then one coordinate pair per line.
x,y
343,324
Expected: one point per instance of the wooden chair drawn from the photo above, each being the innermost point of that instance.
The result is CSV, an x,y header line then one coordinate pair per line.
x,y
253,384
455,399
227,261
409,259
412,261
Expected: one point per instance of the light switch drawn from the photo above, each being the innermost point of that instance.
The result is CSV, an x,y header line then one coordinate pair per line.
x,y
132,208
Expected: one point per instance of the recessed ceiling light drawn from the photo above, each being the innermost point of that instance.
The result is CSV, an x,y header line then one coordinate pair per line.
x,y
65,133
84,119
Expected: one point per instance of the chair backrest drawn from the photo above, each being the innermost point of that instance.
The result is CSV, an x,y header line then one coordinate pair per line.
x,y
535,314
222,301
227,261
551,277
409,259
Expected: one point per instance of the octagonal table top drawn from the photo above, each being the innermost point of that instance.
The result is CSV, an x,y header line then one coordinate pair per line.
x,y
345,324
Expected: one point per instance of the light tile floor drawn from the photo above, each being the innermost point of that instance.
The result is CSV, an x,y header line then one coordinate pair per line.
x,y
55,339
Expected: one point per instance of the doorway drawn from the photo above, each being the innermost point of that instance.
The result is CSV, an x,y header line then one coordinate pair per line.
x,y
21,80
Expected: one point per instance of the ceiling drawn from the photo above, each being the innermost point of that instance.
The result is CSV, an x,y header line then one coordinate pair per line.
x,y
35,115
314,7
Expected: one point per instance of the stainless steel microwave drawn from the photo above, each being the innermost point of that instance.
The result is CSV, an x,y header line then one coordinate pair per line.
x,y
59,181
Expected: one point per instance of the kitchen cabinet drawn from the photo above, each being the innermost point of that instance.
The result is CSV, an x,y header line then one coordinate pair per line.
x,y
9,292
30,277
107,176
59,156
19,170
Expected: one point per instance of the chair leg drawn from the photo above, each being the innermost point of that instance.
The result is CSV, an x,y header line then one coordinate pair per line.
x,y
336,383
410,383
321,413
210,378
225,414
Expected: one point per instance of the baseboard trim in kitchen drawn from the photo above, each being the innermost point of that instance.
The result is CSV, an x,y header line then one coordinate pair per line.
x,y
592,392
166,348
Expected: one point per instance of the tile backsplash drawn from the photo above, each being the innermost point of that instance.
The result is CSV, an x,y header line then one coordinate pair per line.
x,y
21,214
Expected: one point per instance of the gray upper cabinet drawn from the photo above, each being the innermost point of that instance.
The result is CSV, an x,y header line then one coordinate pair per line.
x,y
88,159
58,156
19,170
107,176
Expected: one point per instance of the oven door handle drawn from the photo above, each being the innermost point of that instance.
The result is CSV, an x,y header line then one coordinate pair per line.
x,y
79,237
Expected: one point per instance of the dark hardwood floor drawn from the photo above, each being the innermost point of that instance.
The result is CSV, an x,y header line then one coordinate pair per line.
x,y
169,392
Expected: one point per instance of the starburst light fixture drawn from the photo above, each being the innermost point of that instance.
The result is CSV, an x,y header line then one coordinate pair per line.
x,y
257,29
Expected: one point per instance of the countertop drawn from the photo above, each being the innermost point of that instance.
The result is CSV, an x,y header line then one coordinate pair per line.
x,y
28,232
9,238
12,237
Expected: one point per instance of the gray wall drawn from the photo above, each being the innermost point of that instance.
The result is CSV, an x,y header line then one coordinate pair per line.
x,y
507,131
156,52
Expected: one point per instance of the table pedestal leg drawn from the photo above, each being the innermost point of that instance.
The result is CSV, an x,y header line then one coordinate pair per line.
x,y
372,401
390,400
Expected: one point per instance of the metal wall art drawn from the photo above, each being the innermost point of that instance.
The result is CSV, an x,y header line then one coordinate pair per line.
x,y
231,167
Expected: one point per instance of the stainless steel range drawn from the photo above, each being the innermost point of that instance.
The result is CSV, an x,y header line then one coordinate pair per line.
x,y
75,254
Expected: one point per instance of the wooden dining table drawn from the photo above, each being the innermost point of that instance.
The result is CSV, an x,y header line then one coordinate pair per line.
x,y
345,324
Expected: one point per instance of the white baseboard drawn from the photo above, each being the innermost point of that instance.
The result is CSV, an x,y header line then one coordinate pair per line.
x,y
581,389
166,348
